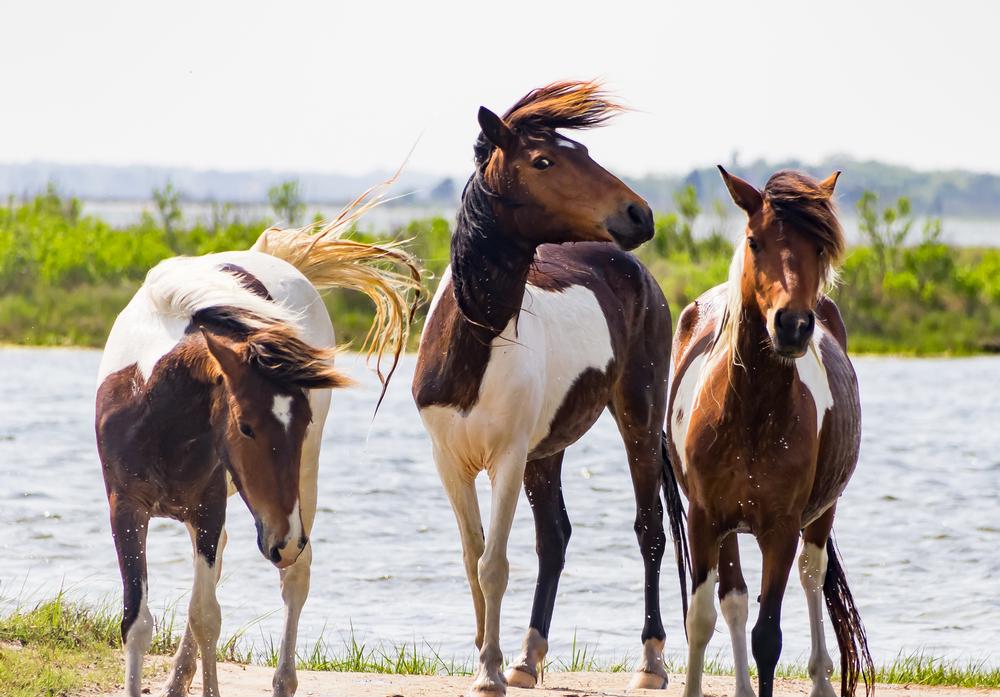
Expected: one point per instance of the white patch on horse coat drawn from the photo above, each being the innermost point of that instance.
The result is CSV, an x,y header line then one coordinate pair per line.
x,y
566,143
282,409
294,527
684,400
155,319
137,641
735,609
812,374
532,366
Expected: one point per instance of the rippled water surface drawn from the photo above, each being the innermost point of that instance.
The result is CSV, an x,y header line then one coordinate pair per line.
x,y
919,526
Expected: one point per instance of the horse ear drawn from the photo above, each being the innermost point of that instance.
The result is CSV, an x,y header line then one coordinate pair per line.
x,y
231,363
495,130
828,184
744,194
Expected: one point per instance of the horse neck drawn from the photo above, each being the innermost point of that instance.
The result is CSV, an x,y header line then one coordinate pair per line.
x,y
179,401
489,262
758,378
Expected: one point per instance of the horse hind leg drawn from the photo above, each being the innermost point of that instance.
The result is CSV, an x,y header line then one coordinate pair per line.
x,y
735,608
543,486
822,578
638,408
129,528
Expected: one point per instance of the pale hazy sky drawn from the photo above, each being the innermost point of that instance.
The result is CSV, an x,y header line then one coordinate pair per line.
x,y
349,87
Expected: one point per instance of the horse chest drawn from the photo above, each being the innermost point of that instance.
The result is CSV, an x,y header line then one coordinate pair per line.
x,y
531,369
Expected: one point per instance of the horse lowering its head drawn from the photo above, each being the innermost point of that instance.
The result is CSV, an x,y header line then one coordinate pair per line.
x,y
787,260
259,415
552,190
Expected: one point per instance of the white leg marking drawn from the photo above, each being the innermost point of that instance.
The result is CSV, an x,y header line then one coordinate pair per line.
x,y
700,626
812,573
137,641
282,409
294,591
652,671
812,373
528,670
507,473
735,610
205,620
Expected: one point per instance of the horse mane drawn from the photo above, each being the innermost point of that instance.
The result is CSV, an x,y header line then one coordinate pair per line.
x,y
567,104
273,348
796,200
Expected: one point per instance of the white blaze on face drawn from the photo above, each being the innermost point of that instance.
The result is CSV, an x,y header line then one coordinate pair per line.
x,y
294,528
282,409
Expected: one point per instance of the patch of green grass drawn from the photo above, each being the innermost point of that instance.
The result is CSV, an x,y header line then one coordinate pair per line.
x,y
58,646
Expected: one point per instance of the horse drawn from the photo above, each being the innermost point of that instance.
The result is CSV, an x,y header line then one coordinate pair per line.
x,y
215,380
764,431
527,341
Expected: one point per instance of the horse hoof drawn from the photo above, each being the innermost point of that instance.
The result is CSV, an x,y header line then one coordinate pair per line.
x,y
647,681
489,686
518,676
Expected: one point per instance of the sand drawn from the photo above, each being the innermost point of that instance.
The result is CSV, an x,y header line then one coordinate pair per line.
x,y
255,681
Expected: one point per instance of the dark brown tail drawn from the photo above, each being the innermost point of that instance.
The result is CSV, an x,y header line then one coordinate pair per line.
x,y
855,659
676,515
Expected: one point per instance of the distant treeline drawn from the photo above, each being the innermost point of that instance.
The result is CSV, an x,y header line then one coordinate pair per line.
x,y
64,277
940,193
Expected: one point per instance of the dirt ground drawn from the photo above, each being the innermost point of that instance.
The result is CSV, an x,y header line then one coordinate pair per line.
x,y
255,681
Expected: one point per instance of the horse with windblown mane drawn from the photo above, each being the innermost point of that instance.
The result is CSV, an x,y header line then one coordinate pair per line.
x,y
527,342
764,433
216,380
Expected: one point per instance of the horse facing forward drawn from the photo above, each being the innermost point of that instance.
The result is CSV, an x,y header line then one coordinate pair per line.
x,y
527,343
220,368
764,432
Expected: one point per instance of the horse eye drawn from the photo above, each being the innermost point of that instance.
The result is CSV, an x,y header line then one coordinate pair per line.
x,y
819,252
753,244
541,163
245,429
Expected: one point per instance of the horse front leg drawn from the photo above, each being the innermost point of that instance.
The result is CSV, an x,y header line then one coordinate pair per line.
x,y
735,609
543,486
185,661
204,613
704,543
295,579
506,474
778,547
129,526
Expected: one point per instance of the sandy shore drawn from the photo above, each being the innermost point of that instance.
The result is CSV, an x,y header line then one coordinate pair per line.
x,y
255,681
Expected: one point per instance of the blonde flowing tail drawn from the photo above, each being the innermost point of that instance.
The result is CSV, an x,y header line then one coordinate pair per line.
x,y
386,273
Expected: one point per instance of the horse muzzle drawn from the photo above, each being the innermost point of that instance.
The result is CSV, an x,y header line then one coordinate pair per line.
x,y
631,226
792,332
281,550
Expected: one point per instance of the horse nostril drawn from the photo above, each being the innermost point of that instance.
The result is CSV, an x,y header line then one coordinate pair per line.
x,y
635,214
777,318
275,555
303,541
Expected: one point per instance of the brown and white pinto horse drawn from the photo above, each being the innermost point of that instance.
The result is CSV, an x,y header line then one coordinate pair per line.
x,y
216,379
764,432
527,343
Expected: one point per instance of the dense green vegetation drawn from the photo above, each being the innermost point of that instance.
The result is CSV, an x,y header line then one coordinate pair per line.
x,y
64,277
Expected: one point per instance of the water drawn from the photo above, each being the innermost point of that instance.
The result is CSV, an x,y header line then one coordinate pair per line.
x,y
960,231
919,525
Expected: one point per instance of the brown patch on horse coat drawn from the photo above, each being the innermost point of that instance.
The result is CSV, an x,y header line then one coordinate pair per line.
x,y
247,280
